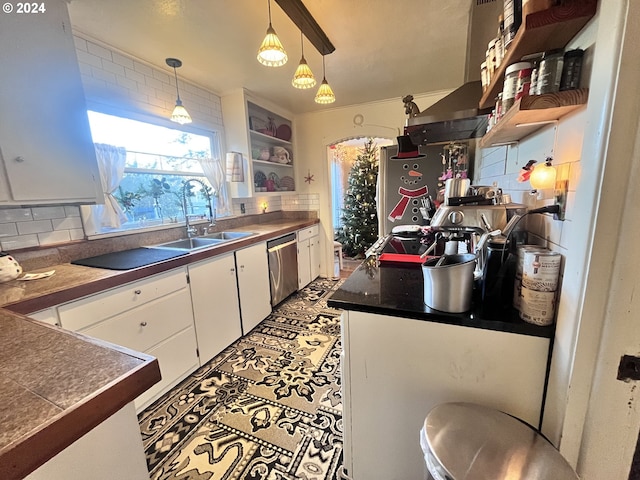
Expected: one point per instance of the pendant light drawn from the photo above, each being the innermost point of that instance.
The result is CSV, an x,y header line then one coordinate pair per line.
x,y
179,114
303,78
325,94
271,53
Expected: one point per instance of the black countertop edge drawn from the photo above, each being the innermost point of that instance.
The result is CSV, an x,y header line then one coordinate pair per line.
x,y
398,291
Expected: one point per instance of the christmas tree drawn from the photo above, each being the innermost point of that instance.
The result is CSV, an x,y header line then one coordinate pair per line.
x,y
359,219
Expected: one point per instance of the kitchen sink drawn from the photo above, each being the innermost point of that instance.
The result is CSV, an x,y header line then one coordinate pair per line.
x,y
195,243
227,235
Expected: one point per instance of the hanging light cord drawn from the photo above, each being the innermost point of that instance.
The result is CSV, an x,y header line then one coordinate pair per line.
x,y
269,4
301,44
176,75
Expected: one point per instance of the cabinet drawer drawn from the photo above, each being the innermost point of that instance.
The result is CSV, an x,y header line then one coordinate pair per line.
x,y
87,311
308,232
177,358
143,327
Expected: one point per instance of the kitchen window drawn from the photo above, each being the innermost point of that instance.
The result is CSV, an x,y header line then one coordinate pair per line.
x,y
144,167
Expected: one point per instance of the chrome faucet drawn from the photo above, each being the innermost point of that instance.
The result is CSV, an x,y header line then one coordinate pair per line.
x,y
191,230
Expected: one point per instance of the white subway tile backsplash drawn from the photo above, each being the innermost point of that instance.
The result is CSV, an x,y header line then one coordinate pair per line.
x,y
23,241
163,77
72,211
8,229
67,223
89,59
43,213
126,82
50,238
133,75
80,43
99,51
122,60
76,234
113,67
100,74
15,215
36,226
142,68
153,82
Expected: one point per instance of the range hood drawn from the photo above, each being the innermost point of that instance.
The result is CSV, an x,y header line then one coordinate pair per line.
x,y
453,118
457,117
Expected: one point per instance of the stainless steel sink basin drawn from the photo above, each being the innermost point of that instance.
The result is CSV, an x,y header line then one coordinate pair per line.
x,y
194,243
227,235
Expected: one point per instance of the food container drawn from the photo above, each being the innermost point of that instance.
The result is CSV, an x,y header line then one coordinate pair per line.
x,y
456,187
510,87
571,69
448,287
550,72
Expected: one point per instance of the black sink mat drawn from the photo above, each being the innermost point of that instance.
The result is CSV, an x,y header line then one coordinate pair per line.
x,y
128,259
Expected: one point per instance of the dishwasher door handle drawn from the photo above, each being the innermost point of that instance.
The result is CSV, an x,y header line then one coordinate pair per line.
x,y
281,246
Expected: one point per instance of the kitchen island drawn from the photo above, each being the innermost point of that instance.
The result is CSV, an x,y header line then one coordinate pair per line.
x,y
402,358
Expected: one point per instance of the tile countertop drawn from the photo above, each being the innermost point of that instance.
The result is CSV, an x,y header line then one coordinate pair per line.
x,y
68,383
61,388
71,282
398,290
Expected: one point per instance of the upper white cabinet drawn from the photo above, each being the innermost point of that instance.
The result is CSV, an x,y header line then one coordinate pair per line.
x,y
45,140
263,134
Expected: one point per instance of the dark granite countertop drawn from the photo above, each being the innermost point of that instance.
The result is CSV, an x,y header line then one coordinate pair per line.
x,y
397,289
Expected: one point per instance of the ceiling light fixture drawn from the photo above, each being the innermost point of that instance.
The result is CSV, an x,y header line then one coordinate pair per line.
x,y
325,94
303,78
271,52
179,114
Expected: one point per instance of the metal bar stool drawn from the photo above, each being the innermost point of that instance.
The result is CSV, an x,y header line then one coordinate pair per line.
x,y
465,440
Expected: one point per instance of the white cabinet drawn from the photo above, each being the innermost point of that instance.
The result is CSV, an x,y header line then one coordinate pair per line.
x,y
153,315
47,315
308,255
214,296
426,363
263,134
253,285
45,140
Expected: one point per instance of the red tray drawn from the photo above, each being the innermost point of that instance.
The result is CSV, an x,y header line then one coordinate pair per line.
x,y
403,258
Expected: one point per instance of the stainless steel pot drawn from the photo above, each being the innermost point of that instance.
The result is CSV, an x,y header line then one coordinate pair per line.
x,y
448,286
456,187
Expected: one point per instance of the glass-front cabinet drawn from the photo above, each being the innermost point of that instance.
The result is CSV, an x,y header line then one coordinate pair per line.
x,y
263,135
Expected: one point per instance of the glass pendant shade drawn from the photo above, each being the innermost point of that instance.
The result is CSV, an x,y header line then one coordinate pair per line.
x,y
180,114
325,94
303,78
271,53
543,177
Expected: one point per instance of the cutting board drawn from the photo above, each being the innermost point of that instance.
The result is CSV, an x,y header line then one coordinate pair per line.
x,y
128,259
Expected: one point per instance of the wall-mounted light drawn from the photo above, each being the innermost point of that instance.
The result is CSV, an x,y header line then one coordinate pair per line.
x,y
179,114
303,78
264,206
543,176
271,52
325,94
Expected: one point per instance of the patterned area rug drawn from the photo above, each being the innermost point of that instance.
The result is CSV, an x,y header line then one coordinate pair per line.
x,y
268,407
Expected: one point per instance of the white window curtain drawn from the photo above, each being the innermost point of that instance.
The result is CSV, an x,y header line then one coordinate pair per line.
x,y
111,163
215,173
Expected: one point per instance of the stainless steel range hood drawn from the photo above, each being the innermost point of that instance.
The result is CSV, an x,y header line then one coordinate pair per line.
x,y
457,116
454,117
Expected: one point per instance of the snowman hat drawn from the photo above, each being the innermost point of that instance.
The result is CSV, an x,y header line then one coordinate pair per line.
x,y
406,149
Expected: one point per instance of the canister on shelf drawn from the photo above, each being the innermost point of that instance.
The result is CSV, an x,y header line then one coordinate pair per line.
x,y
550,72
524,83
484,75
491,56
498,109
540,276
571,69
511,84
517,285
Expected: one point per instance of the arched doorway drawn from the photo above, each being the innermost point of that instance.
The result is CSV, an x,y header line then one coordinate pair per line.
x,y
342,156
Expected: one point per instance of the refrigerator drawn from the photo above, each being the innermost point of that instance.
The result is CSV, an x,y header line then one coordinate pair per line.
x,y
403,184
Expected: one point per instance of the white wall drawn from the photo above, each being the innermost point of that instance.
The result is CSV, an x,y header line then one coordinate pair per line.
x,y
590,415
316,131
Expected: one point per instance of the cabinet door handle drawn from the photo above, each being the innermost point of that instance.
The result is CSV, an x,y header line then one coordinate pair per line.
x,y
233,270
19,159
137,292
143,324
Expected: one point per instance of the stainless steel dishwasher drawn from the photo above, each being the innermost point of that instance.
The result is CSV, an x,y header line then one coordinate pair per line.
x,y
283,267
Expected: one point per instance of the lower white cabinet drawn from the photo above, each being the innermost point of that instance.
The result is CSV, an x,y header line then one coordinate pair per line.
x,y
153,315
395,369
308,255
214,296
253,285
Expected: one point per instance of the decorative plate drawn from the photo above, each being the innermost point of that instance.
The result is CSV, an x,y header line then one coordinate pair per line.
x,y
284,132
288,183
275,178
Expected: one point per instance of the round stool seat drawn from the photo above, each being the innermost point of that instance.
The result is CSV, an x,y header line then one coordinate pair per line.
x,y
469,441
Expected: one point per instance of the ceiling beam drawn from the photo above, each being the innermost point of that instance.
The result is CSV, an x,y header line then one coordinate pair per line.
x,y
301,17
